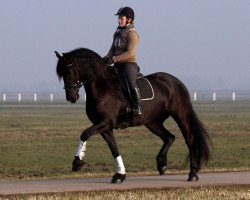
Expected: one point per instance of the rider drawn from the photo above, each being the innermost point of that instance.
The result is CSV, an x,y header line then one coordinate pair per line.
x,y
123,52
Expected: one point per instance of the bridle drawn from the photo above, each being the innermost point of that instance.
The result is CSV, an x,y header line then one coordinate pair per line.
x,y
78,83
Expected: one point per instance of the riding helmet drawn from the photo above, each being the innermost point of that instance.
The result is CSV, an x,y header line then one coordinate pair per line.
x,y
127,12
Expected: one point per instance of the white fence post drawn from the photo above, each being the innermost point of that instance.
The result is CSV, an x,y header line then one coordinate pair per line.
x,y
214,96
195,96
51,97
35,97
19,97
4,97
234,96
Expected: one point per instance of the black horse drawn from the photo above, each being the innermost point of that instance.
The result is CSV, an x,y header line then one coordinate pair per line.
x,y
105,109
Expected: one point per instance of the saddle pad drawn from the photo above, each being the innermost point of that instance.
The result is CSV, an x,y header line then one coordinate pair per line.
x,y
145,88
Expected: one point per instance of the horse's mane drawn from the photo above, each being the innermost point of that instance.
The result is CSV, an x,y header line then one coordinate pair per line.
x,y
84,52
81,57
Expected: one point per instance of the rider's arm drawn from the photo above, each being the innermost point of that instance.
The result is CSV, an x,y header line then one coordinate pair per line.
x,y
111,52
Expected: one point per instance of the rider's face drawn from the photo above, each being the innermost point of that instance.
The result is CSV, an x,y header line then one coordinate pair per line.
x,y
123,20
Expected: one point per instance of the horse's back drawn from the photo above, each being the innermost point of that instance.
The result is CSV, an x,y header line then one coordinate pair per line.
x,y
170,93
161,76
167,81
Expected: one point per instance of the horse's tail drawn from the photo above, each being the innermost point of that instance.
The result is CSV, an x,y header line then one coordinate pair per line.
x,y
202,141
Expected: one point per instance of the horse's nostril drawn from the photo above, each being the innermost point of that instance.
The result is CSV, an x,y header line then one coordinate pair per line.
x,y
72,100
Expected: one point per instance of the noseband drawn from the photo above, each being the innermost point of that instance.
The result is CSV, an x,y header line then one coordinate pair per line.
x,y
78,83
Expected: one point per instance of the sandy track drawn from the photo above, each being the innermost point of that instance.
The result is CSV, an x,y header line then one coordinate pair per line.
x,y
133,182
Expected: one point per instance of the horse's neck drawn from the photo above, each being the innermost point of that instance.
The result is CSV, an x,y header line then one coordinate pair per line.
x,y
98,86
95,87
93,73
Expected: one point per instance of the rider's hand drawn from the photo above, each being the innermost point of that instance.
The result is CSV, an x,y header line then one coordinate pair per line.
x,y
108,61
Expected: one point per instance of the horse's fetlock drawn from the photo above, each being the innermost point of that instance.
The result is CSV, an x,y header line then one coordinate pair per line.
x,y
84,137
161,161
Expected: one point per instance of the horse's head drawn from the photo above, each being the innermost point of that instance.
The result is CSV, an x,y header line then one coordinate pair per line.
x,y
69,73
80,66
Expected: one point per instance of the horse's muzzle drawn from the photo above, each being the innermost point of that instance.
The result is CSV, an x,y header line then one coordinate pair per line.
x,y
72,97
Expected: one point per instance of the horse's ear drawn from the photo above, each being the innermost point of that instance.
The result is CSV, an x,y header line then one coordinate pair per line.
x,y
58,55
65,57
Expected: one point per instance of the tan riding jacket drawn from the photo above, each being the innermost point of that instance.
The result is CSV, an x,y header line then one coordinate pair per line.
x,y
124,45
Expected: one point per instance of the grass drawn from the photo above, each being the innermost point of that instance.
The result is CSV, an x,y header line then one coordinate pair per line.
x,y
221,193
39,141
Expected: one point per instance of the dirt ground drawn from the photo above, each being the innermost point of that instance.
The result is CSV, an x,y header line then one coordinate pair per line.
x,y
135,182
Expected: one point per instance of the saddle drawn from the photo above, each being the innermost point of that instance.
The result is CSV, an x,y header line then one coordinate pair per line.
x,y
145,88
144,85
146,93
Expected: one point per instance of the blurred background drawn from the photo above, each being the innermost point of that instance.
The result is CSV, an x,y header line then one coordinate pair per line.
x,y
206,44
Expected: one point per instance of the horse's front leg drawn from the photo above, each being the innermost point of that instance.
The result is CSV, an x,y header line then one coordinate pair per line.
x,y
120,174
81,148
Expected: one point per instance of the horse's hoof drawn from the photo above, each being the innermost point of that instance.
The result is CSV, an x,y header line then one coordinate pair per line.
x,y
162,169
77,164
118,178
193,178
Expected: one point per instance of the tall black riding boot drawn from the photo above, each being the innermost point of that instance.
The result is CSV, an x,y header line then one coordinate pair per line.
x,y
137,100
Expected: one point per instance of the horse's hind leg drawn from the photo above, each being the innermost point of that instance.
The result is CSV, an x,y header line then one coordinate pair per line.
x,y
120,174
168,138
191,140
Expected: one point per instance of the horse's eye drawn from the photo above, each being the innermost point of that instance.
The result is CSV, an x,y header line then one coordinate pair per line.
x,y
68,68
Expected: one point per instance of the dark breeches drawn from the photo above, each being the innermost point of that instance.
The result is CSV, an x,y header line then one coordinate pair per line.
x,y
130,70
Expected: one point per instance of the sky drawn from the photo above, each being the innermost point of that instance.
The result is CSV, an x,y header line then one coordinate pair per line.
x,y
206,44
